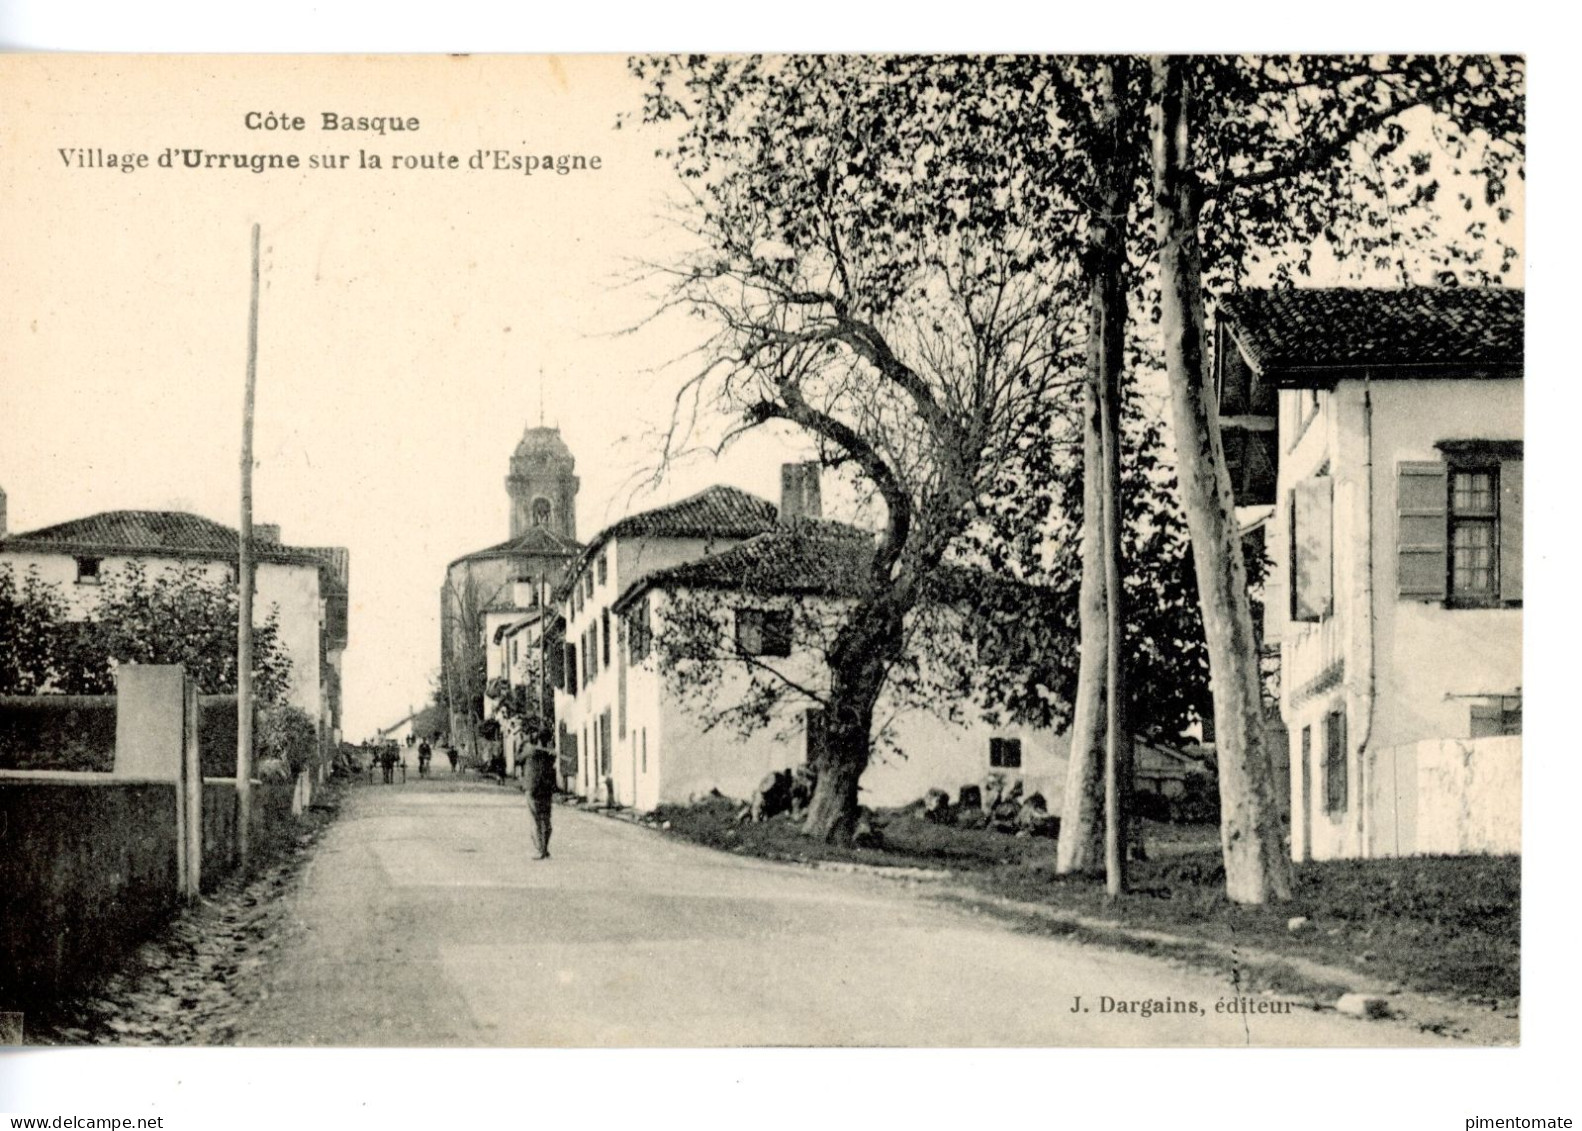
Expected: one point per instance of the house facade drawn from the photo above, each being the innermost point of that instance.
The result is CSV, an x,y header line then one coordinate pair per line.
x,y
592,702
308,587
517,665
1384,427
765,588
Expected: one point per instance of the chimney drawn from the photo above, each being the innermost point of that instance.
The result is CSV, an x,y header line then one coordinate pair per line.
x,y
266,533
799,491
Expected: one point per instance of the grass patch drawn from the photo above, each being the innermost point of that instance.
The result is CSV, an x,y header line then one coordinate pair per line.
x,y
1447,924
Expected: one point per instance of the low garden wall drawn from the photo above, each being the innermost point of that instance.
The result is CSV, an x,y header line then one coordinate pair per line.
x,y
273,825
87,868
1446,797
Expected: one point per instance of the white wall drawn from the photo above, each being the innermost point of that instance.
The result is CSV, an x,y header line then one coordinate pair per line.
x,y
627,561
1447,797
1398,684
923,751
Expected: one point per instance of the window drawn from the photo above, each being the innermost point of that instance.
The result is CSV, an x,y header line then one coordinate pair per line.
x,y
1307,406
763,632
1474,535
1501,715
637,631
1005,753
88,571
1459,534
542,510
571,669
1335,762
587,585
591,650
604,744
604,568
620,674
604,620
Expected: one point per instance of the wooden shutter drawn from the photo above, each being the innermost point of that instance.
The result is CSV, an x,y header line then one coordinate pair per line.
x,y
1487,720
1335,762
1421,493
1511,530
1312,509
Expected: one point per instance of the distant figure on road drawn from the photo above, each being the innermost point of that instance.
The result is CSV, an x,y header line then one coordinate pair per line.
x,y
388,760
450,753
425,754
541,795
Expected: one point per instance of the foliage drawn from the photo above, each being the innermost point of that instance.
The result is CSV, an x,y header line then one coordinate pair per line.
x,y
518,706
1394,166
179,616
287,734
31,616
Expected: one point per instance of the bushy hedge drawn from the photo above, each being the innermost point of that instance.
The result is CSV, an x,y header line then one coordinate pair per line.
x,y
57,732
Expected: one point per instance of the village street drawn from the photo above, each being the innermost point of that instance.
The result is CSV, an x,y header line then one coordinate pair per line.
x,y
422,921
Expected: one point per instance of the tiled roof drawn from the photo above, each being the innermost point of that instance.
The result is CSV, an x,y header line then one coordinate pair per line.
x,y
808,557
715,512
722,512
535,540
1287,333
153,534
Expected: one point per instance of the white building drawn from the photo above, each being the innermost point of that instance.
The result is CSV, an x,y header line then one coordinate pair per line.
x,y
307,587
516,663
1385,428
766,579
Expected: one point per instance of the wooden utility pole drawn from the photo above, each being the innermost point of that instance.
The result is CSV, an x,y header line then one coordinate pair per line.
x,y
244,583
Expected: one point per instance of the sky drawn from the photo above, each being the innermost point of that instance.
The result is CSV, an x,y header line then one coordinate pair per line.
x,y
413,321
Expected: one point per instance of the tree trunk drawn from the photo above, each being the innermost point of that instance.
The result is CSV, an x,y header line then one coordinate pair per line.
x,y
1257,863
1117,750
859,664
1081,844
1082,838
832,813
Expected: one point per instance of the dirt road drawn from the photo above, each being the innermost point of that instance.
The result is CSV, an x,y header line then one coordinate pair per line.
x,y
422,921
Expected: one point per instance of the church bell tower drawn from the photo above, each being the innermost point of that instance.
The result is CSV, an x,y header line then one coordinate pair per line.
x,y
542,484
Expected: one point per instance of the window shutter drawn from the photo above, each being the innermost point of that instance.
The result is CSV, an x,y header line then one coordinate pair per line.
x,y
1421,492
1312,527
1511,530
1487,720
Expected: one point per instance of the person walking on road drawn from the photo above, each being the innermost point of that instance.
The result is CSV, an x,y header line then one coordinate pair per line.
x,y
425,753
541,795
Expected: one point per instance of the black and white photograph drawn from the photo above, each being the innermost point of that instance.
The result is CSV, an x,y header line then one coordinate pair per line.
x,y
735,551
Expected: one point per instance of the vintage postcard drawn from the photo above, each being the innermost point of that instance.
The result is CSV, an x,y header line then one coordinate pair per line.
x,y
734,551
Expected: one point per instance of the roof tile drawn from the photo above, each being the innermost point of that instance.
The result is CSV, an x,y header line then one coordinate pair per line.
x,y
1293,330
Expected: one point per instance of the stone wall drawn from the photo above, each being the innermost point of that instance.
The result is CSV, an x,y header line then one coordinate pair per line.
x,y
273,825
87,868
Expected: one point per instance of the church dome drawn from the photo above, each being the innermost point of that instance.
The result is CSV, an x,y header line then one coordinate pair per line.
x,y
543,445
